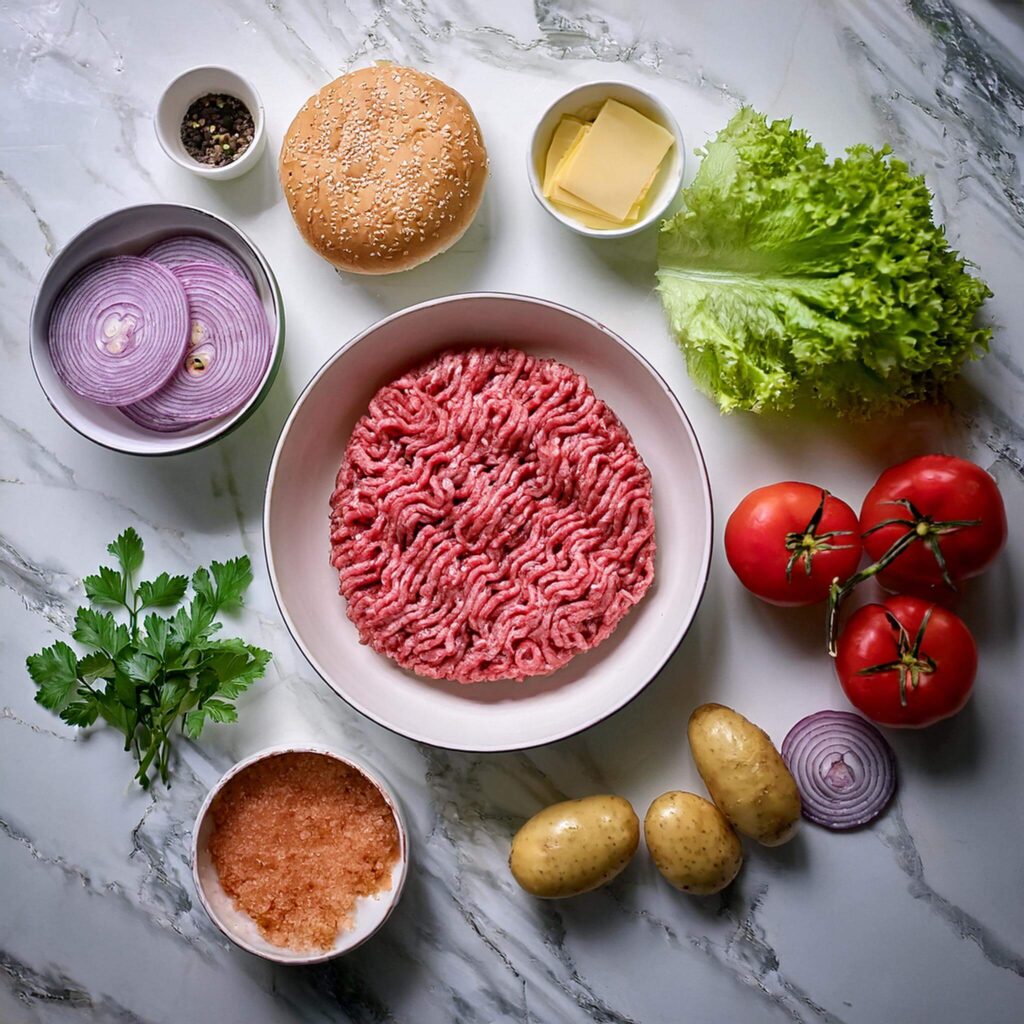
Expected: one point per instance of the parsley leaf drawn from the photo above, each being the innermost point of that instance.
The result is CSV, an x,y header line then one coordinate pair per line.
x,y
156,641
95,666
194,722
162,592
236,670
55,671
106,587
128,550
81,713
229,582
100,630
144,679
141,667
192,625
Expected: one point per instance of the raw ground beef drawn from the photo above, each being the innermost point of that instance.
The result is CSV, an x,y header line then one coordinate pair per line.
x,y
492,518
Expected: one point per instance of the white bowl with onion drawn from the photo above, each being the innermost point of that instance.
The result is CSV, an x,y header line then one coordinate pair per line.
x,y
131,232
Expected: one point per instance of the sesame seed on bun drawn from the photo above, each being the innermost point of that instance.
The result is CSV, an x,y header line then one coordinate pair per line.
x,y
383,168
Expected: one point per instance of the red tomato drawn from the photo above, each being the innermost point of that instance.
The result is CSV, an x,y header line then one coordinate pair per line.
x,y
898,673
789,541
938,497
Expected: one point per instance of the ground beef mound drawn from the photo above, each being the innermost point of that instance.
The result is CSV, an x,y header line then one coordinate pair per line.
x,y
492,518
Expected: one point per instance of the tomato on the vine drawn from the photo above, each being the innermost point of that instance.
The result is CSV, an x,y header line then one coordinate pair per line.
x,y
907,662
946,514
787,542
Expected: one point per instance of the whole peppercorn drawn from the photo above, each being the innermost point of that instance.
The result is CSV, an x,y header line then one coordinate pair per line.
x,y
217,129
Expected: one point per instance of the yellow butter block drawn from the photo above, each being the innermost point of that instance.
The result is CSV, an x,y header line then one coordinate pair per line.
x,y
565,141
564,198
561,196
647,188
568,157
615,159
589,220
576,209
561,142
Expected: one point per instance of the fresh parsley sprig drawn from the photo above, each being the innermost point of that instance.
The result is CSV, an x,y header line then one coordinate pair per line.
x,y
142,678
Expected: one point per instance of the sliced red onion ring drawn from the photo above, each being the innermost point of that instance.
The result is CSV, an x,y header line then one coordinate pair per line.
x,y
843,766
181,249
229,349
118,330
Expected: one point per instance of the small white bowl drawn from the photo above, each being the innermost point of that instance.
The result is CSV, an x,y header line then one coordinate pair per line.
x,y
371,911
585,101
182,93
129,232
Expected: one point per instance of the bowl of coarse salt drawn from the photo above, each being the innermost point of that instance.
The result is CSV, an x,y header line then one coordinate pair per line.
x,y
299,854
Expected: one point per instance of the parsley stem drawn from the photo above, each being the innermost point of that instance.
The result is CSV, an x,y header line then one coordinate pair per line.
x,y
143,773
82,682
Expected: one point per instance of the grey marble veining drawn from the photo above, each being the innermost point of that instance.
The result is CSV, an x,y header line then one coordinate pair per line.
x,y
917,919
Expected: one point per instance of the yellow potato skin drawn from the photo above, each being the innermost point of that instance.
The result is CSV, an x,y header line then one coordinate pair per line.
x,y
744,774
574,846
691,843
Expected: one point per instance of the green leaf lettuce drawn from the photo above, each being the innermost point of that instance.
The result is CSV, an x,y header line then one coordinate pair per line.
x,y
785,273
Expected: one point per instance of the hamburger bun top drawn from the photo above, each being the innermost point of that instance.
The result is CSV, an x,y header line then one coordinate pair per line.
x,y
383,168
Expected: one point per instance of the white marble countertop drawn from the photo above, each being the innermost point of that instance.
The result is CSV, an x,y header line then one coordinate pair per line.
x,y
916,919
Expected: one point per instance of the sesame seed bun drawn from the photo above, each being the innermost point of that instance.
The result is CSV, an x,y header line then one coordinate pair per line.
x,y
383,168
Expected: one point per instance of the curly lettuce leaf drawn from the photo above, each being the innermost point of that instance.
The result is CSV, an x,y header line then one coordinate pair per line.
x,y
785,273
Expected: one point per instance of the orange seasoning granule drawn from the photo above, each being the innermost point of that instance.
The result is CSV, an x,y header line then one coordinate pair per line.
x,y
298,838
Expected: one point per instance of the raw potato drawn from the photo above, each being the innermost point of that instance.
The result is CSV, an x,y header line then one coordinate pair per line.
x,y
745,774
574,846
691,843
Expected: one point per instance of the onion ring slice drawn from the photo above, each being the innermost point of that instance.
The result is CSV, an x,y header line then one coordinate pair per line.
x,y
229,349
118,330
181,249
843,766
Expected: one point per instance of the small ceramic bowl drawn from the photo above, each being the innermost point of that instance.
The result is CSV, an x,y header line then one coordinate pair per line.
x,y
585,101
182,93
129,232
371,911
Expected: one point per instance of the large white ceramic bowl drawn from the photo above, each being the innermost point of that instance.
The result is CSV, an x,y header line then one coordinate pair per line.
x,y
502,715
371,911
128,232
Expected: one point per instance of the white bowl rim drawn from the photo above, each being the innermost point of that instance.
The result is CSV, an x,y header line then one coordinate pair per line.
x,y
655,211
394,894
236,418
686,620
252,153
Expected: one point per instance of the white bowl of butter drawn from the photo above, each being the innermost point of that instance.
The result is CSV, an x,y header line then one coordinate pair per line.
x,y
606,159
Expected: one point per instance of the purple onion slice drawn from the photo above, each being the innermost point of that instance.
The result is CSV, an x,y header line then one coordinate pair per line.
x,y
118,330
843,766
228,352
181,249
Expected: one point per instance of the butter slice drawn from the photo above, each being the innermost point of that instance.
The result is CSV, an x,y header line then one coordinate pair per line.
x,y
646,188
588,220
562,141
563,165
563,198
615,159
